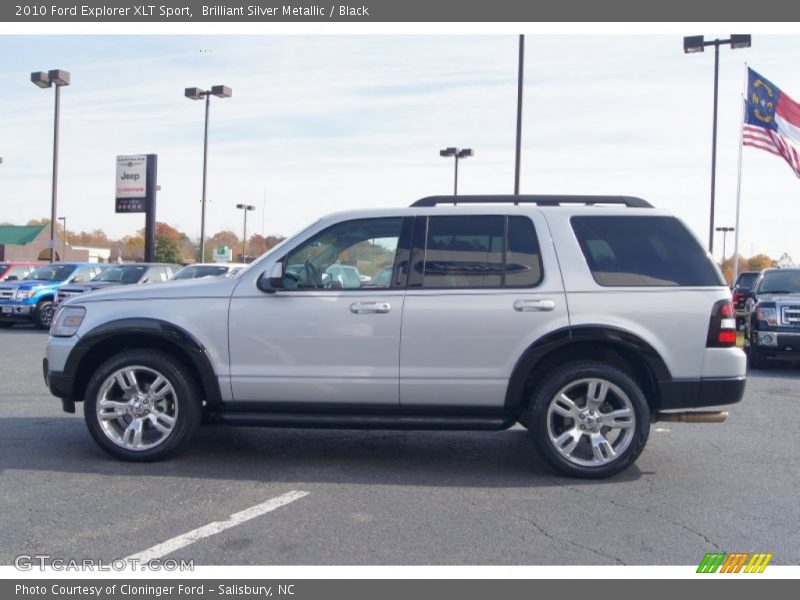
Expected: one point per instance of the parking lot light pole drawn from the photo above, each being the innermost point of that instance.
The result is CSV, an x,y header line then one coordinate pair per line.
x,y
457,154
64,222
194,93
58,78
245,208
691,45
725,231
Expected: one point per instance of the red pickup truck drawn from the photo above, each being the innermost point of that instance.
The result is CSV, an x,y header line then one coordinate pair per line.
x,y
9,271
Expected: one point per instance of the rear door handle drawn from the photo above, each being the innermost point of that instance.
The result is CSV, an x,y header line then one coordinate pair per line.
x,y
534,305
363,308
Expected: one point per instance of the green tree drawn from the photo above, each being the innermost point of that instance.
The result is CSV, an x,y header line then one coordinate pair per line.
x,y
167,250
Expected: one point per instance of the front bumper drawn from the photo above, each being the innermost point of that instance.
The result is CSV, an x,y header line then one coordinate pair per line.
x,y
16,312
778,343
62,386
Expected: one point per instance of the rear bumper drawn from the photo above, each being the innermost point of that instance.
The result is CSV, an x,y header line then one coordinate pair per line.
x,y
697,393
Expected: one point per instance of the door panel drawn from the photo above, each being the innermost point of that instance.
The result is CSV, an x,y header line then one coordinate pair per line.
x,y
459,345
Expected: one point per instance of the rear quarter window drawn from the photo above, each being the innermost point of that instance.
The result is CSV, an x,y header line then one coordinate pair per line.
x,y
637,251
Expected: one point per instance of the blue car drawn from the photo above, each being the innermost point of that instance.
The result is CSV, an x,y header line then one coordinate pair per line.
x,y
31,300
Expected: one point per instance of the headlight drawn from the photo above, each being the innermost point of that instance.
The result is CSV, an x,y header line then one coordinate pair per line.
x,y
20,295
770,315
67,321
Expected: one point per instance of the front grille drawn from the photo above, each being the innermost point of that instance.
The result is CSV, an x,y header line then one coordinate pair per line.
x,y
790,315
6,294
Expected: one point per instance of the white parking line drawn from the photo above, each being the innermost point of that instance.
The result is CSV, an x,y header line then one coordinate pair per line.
x,y
190,537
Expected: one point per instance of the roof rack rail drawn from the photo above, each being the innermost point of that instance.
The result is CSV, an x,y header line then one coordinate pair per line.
x,y
541,200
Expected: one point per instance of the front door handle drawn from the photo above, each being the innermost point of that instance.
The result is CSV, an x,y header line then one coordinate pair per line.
x,y
534,305
363,308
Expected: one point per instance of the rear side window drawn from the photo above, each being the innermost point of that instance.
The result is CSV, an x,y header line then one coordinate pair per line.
x,y
479,252
746,280
643,251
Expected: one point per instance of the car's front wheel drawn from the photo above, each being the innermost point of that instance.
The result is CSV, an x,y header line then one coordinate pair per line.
x,y
142,405
589,419
43,314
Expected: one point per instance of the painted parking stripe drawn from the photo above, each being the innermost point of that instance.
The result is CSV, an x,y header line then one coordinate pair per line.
x,y
190,537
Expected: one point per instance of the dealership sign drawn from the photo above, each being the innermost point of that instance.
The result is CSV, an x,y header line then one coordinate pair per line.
x,y
131,184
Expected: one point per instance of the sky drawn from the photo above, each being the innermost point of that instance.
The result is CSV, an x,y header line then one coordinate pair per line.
x,y
319,123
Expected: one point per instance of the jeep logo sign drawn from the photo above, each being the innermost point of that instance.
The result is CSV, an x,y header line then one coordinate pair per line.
x,y
131,183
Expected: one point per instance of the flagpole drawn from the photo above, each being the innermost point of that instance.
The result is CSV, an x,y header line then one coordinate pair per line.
x,y
739,184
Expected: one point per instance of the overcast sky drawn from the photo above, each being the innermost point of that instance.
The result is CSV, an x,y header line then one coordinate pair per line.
x,y
321,123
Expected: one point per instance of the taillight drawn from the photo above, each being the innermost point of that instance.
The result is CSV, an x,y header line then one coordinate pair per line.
x,y
722,326
737,295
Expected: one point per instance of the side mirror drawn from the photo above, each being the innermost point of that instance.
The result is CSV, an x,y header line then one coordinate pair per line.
x,y
271,281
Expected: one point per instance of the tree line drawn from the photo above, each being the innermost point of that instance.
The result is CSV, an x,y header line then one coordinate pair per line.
x,y
172,245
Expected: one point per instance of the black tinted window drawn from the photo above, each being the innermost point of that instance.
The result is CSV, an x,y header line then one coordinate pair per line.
x,y
746,280
476,252
643,251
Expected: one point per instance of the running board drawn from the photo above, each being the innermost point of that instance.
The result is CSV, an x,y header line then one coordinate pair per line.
x,y
697,416
364,421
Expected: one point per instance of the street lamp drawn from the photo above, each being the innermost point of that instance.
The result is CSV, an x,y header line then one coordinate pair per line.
x,y
456,153
245,208
194,93
691,45
64,222
725,231
58,78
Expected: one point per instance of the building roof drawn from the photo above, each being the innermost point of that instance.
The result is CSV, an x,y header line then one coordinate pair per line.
x,y
19,235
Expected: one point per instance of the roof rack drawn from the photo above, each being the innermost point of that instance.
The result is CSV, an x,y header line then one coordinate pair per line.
x,y
542,200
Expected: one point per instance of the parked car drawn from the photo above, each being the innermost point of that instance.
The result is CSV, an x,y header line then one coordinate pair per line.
x,y
31,300
200,270
741,292
772,330
541,310
14,271
121,274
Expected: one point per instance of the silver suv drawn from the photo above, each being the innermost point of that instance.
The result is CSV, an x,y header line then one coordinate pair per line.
x,y
582,318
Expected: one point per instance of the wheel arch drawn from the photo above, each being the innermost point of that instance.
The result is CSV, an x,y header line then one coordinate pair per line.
x,y
612,345
114,337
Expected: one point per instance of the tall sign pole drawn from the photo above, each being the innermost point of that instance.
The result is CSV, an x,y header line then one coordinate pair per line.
x,y
136,186
520,72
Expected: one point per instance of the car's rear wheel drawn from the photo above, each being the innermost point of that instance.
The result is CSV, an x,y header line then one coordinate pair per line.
x,y
43,314
142,405
589,419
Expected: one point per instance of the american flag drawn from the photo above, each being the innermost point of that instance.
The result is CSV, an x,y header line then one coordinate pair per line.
x,y
772,142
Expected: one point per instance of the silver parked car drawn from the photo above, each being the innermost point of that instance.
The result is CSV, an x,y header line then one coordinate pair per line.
x,y
583,318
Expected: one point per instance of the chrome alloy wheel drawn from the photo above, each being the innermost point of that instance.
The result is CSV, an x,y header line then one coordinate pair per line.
x,y
137,408
591,422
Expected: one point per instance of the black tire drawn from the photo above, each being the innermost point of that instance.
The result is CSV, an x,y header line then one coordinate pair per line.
x,y
185,400
756,358
43,314
541,421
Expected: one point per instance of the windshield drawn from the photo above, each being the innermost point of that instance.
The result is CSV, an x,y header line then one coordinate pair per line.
x,y
780,282
52,273
122,274
201,271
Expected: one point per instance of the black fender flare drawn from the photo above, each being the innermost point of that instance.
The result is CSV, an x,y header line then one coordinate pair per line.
x,y
154,329
562,338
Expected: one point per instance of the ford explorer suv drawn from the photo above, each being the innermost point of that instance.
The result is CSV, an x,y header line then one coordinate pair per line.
x,y
582,318
772,329
31,300
122,274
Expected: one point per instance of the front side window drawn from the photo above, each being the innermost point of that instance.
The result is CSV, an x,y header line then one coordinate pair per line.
x,y
479,252
348,255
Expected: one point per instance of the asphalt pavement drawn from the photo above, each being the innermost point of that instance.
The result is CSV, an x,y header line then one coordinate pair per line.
x,y
395,498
